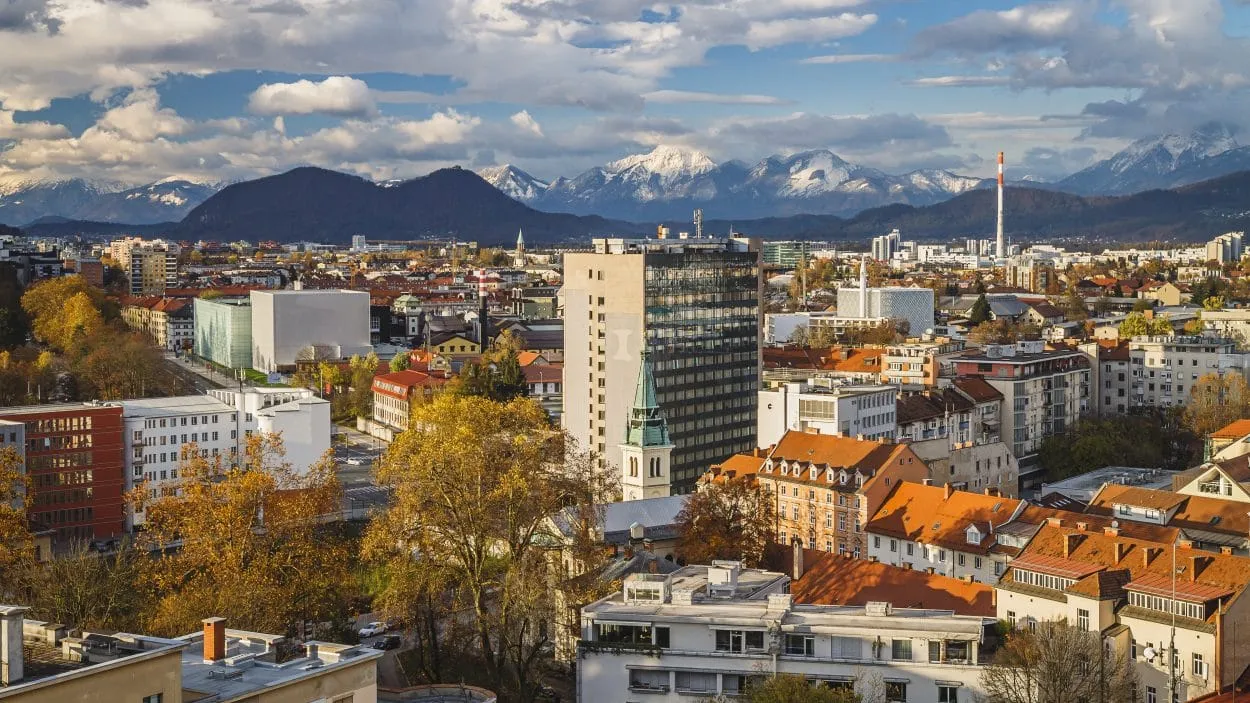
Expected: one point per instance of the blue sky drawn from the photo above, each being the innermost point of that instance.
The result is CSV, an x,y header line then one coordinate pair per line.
x,y
139,90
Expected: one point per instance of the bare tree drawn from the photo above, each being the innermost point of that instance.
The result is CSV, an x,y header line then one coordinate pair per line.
x,y
1057,663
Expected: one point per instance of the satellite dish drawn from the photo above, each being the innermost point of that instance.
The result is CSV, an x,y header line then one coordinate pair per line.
x,y
1115,523
1149,654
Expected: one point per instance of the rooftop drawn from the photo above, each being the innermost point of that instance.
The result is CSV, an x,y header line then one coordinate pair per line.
x,y
931,515
1083,486
834,579
1233,430
177,405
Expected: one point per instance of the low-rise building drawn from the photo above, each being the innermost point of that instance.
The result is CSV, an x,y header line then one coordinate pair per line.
x,y
545,386
822,578
393,397
845,409
1211,523
1166,368
919,362
712,630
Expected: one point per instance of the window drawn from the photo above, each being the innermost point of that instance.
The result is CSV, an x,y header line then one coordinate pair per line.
x,y
911,549
1200,666
739,641
624,634
800,645
948,694
976,562
1082,619
1011,618
154,698
1152,695
961,559
893,545
900,650
876,542
349,698
662,637
895,691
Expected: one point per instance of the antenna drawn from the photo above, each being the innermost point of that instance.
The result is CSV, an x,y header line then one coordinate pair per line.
x,y
698,223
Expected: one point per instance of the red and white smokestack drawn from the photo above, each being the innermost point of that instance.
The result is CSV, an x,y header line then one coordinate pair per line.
x,y
481,283
1002,243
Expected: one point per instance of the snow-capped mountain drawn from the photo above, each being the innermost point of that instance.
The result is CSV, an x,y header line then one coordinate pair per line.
x,y
27,200
669,182
1165,161
514,182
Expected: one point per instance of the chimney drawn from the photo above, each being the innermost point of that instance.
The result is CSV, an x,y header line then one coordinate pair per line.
x,y
1196,564
907,565
1054,521
991,491
931,570
1147,553
756,453
1069,543
1111,531
967,578
1120,549
648,545
1185,543
214,639
1080,526
11,657
947,491
927,482
797,570
1226,551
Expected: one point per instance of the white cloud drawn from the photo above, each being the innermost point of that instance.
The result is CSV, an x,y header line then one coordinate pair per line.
x,y
694,96
762,35
851,58
342,96
526,123
9,129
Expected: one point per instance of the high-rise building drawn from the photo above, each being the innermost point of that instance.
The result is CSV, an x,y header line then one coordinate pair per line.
x,y
359,243
884,247
915,305
693,306
153,269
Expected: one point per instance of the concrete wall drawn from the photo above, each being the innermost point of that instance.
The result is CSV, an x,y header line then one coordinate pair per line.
x,y
304,427
131,681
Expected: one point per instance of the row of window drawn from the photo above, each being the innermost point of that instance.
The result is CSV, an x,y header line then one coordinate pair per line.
x,y
59,424
175,421
195,437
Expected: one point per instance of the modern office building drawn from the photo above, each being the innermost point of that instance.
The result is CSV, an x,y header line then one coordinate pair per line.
x,y
289,325
788,254
693,306
223,331
74,461
885,246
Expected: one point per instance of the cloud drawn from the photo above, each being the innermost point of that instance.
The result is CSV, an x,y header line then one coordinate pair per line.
x,y
958,81
12,130
851,58
28,16
694,96
526,123
762,35
341,96
1052,164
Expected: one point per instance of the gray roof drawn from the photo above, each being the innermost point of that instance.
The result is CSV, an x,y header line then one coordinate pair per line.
x,y
658,517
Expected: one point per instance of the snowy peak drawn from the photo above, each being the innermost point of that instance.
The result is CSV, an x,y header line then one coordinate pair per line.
x,y
669,162
24,200
514,182
1164,161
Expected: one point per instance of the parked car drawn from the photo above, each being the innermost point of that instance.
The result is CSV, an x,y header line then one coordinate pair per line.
x,y
372,629
388,642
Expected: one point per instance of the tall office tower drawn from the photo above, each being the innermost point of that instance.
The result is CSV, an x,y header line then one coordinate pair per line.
x,y
693,306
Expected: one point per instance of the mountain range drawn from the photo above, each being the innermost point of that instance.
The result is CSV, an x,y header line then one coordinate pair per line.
x,y
27,200
1161,162
670,182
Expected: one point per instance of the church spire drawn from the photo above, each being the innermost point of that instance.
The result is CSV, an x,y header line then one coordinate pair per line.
x,y
520,240
647,427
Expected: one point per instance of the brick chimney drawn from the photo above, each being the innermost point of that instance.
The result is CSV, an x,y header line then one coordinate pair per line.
x,y
1186,544
1080,526
214,639
1054,521
796,572
1120,549
1226,551
1111,531
1197,563
1147,553
947,491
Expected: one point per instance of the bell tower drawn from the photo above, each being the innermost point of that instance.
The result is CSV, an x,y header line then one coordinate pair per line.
x,y
647,451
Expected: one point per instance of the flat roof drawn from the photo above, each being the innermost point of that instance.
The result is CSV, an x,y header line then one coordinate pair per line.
x,y
177,405
1084,486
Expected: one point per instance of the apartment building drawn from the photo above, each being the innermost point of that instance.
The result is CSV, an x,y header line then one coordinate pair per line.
x,y
74,458
919,362
394,394
1111,374
1044,392
825,487
713,630
168,322
1226,248
152,268
692,305
847,409
1176,612
1166,368
1209,522
43,664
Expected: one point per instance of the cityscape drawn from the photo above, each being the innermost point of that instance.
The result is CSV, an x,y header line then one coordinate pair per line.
x,y
826,351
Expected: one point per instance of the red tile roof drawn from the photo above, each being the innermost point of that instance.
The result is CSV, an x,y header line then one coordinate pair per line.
x,y
920,513
1234,430
833,579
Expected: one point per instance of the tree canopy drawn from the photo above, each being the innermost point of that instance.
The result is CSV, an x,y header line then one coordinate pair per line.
x,y
17,545
1131,440
732,519
1216,400
980,311
1057,663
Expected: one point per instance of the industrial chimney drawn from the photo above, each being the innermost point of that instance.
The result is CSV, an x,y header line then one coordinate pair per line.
x,y
1002,244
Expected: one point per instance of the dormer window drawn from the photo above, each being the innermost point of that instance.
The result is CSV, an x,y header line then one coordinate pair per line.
x,y
974,535
842,477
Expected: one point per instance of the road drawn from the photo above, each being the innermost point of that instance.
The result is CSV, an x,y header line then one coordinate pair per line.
x,y
191,378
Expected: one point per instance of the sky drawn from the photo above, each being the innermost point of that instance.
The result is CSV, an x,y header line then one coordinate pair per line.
x,y
221,90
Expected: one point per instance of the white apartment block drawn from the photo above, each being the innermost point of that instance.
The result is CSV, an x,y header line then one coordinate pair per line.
x,y
712,630
159,432
1165,369
865,411
288,323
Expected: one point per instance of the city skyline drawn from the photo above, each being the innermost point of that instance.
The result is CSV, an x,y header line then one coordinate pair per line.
x,y
139,91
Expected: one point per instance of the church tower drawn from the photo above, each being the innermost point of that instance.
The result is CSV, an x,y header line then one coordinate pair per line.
x,y
518,257
647,451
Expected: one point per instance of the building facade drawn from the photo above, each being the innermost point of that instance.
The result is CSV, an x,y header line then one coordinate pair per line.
x,y
1165,368
915,305
286,324
693,307
918,362
223,331
866,411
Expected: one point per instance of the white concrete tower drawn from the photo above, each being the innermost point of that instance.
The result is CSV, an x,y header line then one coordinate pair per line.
x,y
1001,252
647,451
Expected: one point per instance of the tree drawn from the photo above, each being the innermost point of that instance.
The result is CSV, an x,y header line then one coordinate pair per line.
x,y
1136,324
507,343
361,370
17,546
1212,286
1216,400
733,519
794,688
1134,440
1195,326
13,323
64,309
1073,305
329,376
475,484
799,336
91,590
1213,302
1142,305
509,380
980,312
252,545
999,331
1102,305
1058,663
400,362
121,365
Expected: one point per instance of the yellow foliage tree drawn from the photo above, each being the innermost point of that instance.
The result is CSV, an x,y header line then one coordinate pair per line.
x,y
251,544
60,307
17,547
1216,400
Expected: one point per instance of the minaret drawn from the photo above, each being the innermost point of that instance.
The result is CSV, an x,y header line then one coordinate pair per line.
x,y
1002,244
863,286
647,451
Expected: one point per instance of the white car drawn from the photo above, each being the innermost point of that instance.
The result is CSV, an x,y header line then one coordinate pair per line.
x,y
372,629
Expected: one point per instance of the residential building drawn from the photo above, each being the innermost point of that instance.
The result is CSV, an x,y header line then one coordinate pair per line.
x,y
823,578
168,322
545,383
1228,479
693,306
886,246
42,664
74,460
1166,368
1044,392
1111,374
152,269
1209,522
300,417
30,264
865,411
919,362
294,325
790,364
1228,442
646,453
713,630
825,487
955,432
1030,272
393,397
1177,613
223,331
1228,324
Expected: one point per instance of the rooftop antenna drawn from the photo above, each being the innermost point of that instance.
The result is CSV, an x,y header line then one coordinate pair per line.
x,y
698,223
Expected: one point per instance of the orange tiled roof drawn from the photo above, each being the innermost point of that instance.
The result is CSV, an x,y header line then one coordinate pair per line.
x,y
833,579
1233,430
838,452
978,389
1195,512
736,466
925,514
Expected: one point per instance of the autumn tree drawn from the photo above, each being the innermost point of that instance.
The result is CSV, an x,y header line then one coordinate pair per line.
x,y
91,590
17,546
980,311
399,362
476,484
1057,663
1073,305
120,365
732,519
999,331
252,547
360,373
1216,400
13,322
792,688
1137,324
64,311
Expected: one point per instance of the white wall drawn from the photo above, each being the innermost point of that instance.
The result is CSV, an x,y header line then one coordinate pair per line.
x,y
304,426
285,322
